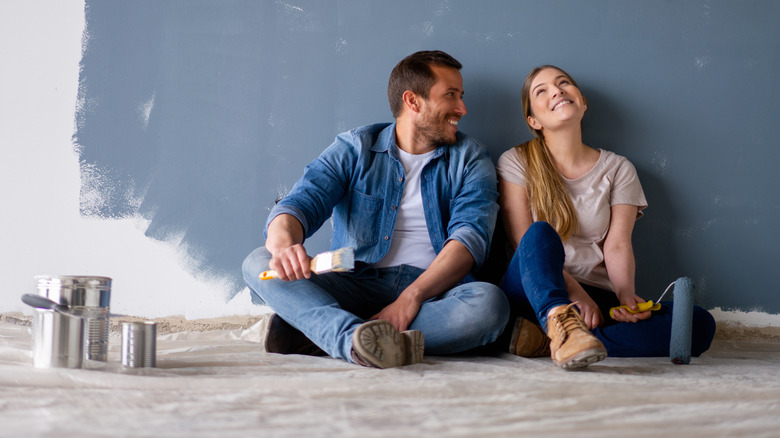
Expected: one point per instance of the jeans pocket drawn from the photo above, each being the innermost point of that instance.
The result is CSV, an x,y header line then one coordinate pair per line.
x,y
364,218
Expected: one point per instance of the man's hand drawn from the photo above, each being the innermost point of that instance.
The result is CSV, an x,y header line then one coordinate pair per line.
x,y
401,312
291,263
285,243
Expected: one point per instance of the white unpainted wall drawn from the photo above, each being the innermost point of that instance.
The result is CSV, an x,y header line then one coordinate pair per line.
x,y
41,230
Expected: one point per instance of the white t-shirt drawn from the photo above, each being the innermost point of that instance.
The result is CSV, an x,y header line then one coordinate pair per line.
x,y
611,181
411,244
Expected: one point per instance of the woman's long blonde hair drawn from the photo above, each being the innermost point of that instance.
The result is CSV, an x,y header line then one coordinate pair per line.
x,y
550,201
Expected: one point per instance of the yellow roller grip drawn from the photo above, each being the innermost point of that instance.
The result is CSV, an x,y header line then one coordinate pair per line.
x,y
641,307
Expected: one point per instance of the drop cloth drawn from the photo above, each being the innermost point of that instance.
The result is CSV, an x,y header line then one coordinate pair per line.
x,y
213,381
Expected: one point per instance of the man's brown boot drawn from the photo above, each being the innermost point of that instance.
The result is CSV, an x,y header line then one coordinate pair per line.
x,y
572,344
528,339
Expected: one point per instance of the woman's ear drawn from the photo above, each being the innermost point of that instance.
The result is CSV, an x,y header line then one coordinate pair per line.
x,y
534,124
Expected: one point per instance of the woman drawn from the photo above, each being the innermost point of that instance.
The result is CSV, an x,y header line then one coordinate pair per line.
x,y
555,188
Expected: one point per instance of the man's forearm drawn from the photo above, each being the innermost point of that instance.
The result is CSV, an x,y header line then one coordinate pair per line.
x,y
449,267
283,231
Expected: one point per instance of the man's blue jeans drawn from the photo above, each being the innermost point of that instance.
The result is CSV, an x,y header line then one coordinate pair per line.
x,y
328,308
534,284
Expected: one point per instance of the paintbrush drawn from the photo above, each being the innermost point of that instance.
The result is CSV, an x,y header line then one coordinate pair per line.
x,y
340,260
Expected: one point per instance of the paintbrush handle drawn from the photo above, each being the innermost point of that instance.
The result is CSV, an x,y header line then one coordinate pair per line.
x,y
271,274
268,275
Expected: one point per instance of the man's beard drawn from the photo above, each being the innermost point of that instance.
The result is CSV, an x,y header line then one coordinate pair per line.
x,y
432,130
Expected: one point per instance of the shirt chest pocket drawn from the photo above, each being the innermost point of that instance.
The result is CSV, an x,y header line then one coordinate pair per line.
x,y
364,219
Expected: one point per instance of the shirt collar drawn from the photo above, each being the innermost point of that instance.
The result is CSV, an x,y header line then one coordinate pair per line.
x,y
385,142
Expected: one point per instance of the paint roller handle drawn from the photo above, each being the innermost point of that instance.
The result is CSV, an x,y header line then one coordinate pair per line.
x,y
640,307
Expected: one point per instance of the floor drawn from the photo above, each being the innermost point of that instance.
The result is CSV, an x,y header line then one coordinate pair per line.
x,y
213,379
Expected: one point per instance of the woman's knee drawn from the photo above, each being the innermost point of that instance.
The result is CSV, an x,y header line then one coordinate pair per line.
x,y
540,236
540,231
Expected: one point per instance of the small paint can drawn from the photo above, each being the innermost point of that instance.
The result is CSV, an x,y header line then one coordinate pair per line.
x,y
139,344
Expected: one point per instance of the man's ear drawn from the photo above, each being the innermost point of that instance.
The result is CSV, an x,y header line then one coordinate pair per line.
x,y
533,123
411,100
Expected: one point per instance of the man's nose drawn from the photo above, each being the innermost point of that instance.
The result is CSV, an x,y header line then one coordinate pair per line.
x,y
461,109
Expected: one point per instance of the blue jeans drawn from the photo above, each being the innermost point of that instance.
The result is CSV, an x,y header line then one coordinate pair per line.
x,y
534,284
328,308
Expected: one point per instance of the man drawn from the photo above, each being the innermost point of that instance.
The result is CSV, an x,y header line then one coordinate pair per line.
x,y
417,201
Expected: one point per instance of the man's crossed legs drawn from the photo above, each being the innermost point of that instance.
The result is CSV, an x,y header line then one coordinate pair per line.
x,y
329,308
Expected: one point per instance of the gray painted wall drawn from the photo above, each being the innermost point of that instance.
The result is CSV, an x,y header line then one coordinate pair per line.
x,y
198,114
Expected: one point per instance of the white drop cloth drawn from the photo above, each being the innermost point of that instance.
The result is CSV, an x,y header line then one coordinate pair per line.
x,y
220,383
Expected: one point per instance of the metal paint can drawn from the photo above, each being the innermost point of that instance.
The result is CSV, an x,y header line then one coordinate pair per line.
x,y
70,339
58,340
139,344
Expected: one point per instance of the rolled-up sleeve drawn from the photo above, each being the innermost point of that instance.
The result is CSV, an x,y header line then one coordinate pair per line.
x,y
322,185
474,207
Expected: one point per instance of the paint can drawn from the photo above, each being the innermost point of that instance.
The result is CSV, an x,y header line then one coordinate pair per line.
x,y
139,344
72,339
58,340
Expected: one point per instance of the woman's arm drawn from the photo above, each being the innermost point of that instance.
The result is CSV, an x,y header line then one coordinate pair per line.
x,y
619,260
516,214
515,210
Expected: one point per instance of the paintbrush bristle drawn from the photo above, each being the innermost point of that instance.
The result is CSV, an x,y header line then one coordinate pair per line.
x,y
340,260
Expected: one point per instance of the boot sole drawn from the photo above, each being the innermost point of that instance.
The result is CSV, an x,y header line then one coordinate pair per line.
x,y
379,343
415,346
582,359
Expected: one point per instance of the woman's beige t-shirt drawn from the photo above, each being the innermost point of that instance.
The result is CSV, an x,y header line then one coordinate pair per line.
x,y
612,181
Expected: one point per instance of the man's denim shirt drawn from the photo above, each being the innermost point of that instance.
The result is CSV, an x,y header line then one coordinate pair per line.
x,y
360,180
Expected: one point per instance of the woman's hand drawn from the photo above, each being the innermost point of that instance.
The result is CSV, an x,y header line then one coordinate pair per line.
x,y
590,312
631,300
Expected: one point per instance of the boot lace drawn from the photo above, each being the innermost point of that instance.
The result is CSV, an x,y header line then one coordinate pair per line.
x,y
567,321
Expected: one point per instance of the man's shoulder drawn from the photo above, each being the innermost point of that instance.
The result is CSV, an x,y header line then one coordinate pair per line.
x,y
365,137
467,145
366,132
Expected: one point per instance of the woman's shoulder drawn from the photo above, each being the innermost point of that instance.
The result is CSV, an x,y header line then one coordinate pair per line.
x,y
611,160
510,166
510,158
509,154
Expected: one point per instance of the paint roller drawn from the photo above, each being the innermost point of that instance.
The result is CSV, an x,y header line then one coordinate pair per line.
x,y
682,322
682,318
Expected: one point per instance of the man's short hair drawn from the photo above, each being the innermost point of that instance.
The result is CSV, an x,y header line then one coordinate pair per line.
x,y
414,73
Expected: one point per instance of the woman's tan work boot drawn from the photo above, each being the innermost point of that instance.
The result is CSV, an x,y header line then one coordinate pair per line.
x,y
572,345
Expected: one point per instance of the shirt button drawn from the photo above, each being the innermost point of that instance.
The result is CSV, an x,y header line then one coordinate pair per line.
x,y
400,178
395,207
387,237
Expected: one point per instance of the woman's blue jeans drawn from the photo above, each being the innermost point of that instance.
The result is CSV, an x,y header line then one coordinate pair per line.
x,y
328,308
534,284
